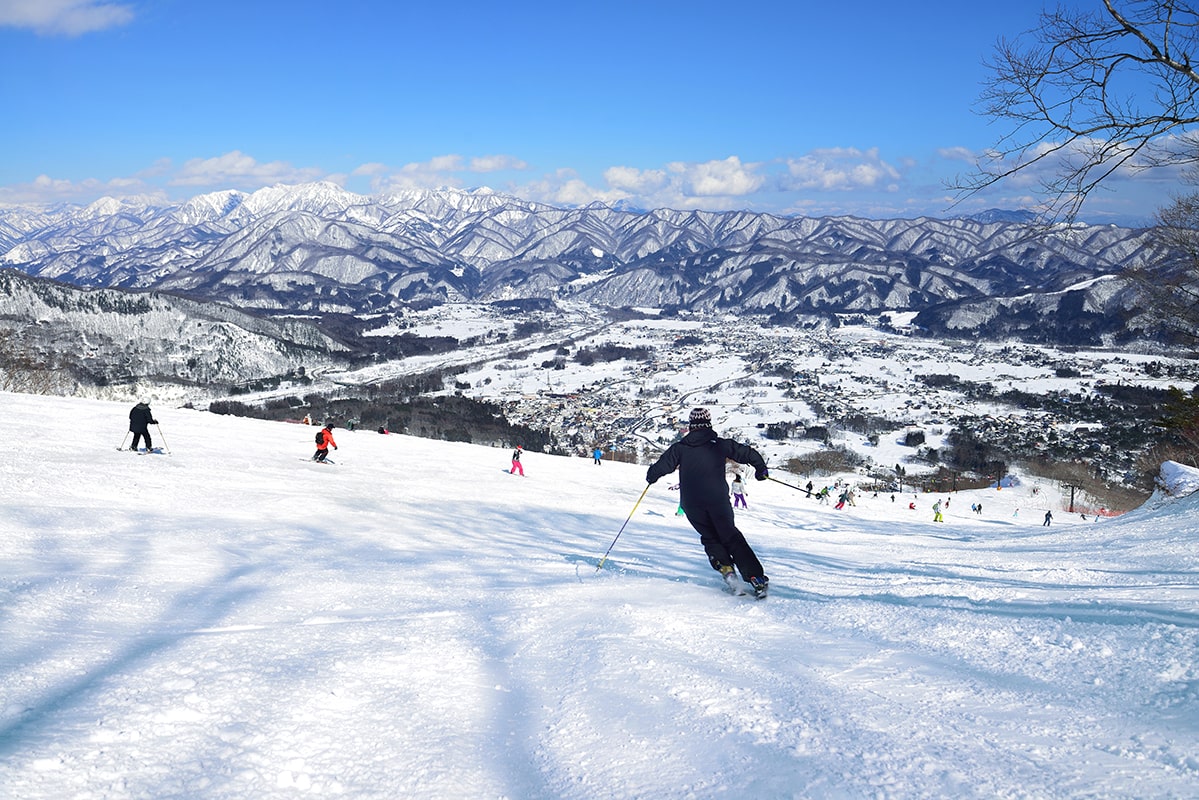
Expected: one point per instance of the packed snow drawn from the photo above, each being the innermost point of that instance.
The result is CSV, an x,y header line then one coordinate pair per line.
x,y
229,620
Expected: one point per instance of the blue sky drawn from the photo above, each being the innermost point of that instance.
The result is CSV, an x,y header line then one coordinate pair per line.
x,y
794,106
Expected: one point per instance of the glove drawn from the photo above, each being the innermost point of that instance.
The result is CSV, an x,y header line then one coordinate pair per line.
x,y
334,447
153,422
762,474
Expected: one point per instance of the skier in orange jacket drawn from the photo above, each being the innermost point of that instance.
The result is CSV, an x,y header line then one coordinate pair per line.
x,y
324,442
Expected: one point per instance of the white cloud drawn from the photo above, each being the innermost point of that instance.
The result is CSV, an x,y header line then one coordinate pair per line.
x,y
444,170
726,178
841,169
958,154
496,163
370,170
636,181
64,17
565,187
44,190
238,170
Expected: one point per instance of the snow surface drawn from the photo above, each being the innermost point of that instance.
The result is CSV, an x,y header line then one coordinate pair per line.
x,y
232,621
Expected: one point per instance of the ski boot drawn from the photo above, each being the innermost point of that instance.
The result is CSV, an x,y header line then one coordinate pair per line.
x,y
730,579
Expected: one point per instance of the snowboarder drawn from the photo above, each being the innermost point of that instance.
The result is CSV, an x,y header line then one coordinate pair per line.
x,y
516,466
937,517
140,420
704,496
324,440
1048,518
597,454
739,492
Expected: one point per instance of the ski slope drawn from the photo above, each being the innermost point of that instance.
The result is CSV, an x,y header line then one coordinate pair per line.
x,y
232,621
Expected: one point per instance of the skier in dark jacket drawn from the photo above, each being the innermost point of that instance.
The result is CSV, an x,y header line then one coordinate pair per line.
x,y
704,496
140,420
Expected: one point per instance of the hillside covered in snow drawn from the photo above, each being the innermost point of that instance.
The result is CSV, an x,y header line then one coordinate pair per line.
x,y
230,620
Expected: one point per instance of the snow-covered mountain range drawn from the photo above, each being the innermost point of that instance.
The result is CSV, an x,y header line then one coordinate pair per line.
x,y
318,247
101,337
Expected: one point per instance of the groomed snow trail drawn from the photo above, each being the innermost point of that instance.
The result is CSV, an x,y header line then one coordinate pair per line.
x,y
228,622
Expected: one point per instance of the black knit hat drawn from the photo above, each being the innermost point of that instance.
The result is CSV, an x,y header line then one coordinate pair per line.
x,y
700,418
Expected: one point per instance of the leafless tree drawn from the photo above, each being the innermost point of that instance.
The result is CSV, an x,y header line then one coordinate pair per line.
x,y
21,370
1170,287
1088,93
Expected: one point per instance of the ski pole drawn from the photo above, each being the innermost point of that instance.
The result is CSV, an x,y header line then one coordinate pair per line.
x,y
164,439
626,522
784,483
122,447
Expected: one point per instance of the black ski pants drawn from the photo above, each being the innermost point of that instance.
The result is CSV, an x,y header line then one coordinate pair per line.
x,y
723,543
137,437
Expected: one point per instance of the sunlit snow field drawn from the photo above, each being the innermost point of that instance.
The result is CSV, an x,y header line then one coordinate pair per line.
x,y
232,621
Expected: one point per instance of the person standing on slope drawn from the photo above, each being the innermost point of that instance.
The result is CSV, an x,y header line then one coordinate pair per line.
x,y
140,420
516,465
700,457
597,454
739,492
324,440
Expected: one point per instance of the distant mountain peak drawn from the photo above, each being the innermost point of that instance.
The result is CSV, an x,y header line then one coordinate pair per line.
x,y
1003,215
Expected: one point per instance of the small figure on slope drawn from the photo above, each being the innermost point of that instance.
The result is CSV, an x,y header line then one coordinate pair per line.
x,y
516,465
324,440
739,492
140,420
704,497
598,455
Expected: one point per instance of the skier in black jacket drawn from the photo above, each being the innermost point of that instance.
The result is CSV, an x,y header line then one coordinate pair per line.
x,y
140,420
704,496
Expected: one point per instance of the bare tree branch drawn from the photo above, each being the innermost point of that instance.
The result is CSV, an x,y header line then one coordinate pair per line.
x,y
1090,93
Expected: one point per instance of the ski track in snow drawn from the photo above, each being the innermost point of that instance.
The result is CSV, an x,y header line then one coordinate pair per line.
x,y
226,622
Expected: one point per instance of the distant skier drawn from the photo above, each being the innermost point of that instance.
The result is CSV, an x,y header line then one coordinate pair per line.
x,y
1048,518
598,455
324,440
739,492
937,517
140,420
704,496
516,465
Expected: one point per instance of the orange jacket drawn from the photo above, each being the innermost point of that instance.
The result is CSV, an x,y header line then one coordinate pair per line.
x,y
328,440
